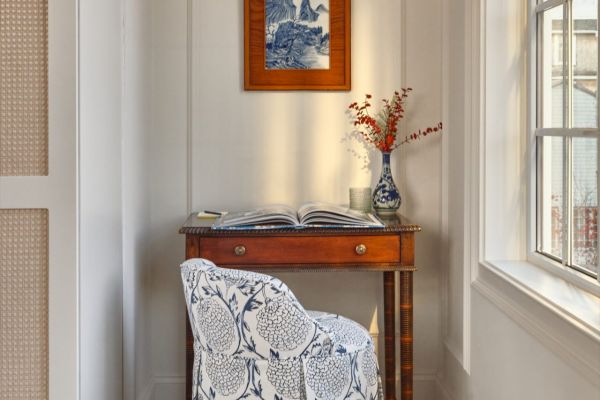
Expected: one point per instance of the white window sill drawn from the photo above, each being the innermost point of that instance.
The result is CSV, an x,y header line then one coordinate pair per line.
x,y
561,315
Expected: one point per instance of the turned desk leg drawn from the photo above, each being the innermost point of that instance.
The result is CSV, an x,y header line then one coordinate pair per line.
x,y
406,335
389,322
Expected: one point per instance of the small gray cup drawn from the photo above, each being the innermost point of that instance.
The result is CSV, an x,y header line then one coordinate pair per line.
x,y
360,199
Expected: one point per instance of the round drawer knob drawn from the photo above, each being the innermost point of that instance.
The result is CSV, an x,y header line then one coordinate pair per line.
x,y
361,249
239,250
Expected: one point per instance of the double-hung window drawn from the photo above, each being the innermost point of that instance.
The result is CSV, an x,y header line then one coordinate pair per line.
x,y
567,132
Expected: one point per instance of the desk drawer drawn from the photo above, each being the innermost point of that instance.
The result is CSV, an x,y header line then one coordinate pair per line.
x,y
301,250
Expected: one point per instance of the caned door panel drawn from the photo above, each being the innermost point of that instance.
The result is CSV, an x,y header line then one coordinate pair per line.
x,y
38,224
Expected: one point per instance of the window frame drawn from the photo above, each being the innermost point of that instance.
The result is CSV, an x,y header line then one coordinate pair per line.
x,y
495,234
536,134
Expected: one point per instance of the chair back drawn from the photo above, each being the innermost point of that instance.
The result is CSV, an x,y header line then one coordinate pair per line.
x,y
247,314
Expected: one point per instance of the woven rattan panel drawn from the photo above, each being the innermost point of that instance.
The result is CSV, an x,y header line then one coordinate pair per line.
x,y
23,87
23,304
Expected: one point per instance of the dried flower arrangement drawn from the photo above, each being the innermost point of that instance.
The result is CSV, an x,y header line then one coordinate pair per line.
x,y
381,130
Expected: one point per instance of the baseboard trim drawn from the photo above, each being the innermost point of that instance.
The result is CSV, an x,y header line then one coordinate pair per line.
x,y
148,390
157,380
421,376
442,391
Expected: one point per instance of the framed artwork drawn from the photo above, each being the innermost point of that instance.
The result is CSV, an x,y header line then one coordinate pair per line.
x,y
297,44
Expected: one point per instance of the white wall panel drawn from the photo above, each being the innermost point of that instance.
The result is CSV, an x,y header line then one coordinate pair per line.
x,y
168,188
100,234
136,125
420,170
509,363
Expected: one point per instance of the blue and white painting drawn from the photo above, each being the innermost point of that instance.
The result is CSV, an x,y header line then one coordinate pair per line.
x,y
297,34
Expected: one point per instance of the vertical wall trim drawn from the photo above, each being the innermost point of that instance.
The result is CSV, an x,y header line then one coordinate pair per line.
x,y
78,194
403,42
403,64
189,92
128,337
445,176
475,173
469,195
402,128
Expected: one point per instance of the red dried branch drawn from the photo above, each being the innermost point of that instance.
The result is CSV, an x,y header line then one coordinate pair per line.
x,y
381,131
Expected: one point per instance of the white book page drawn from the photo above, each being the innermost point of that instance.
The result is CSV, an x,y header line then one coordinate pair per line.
x,y
267,215
317,213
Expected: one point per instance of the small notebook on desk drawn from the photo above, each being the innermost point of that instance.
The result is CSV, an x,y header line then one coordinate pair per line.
x,y
309,215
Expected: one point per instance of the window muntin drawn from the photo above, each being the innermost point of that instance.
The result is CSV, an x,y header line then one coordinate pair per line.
x,y
567,132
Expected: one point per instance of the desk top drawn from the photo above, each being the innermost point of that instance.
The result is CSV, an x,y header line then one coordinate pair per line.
x,y
393,225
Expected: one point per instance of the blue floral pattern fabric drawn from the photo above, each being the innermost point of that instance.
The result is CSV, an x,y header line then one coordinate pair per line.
x,y
254,340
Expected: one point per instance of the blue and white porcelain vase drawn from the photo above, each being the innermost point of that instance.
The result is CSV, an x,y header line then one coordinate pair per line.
x,y
386,197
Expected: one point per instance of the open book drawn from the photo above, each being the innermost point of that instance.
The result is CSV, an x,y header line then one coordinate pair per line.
x,y
312,215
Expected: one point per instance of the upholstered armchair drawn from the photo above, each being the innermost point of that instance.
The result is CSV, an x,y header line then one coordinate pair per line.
x,y
254,340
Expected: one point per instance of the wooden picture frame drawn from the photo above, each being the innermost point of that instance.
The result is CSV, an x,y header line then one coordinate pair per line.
x,y
257,76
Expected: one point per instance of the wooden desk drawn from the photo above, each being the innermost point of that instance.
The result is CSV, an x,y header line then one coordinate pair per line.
x,y
387,250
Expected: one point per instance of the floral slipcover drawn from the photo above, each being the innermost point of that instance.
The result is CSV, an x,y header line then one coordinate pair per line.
x,y
254,340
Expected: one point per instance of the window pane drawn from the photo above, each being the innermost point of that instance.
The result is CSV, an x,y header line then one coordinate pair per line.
x,y
585,203
552,200
551,68
584,54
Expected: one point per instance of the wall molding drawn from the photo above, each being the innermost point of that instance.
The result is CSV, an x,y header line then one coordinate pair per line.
x,y
158,380
148,390
421,376
442,391
189,103
453,379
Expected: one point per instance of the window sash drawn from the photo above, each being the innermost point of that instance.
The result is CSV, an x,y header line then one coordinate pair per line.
x,y
566,132
547,5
